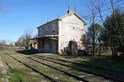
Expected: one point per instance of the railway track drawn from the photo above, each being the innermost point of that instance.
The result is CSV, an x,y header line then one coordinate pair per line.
x,y
35,70
82,64
52,66
66,73
12,71
81,70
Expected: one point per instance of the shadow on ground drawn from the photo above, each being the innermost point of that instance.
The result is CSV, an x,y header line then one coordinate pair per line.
x,y
28,52
103,61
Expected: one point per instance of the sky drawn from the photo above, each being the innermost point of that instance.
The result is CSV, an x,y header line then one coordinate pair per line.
x,y
16,16
20,15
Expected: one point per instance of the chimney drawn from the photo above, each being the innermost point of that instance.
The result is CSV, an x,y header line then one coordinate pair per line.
x,y
69,11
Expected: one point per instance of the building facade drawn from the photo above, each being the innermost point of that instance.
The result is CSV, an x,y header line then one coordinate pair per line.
x,y
54,36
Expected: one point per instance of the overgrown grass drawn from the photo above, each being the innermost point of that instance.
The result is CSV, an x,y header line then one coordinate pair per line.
x,y
29,76
92,62
56,74
20,71
90,77
104,60
44,69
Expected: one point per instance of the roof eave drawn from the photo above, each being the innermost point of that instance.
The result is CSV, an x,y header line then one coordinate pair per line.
x,y
48,23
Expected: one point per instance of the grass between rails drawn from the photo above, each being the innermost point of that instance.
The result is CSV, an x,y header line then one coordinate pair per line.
x,y
25,74
90,77
102,61
59,76
98,62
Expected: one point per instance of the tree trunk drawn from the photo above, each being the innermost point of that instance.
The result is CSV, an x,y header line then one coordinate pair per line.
x,y
99,49
114,52
93,35
93,49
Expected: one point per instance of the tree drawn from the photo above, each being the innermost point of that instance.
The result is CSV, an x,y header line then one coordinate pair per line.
x,y
24,40
2,44
99,7
92,21
83,40
97,33
114,27
20,42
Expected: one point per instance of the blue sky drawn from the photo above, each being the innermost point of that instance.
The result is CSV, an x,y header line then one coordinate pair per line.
x,y
20,15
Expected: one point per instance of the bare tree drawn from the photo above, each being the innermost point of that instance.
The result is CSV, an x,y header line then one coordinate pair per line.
x,y
2,44
24,40
92,18
112,7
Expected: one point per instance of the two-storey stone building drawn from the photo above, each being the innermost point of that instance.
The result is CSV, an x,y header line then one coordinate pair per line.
x,y
54,36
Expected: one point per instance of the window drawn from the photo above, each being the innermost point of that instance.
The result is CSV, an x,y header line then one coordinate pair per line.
x,y
46,30
53,28
53,31
73,28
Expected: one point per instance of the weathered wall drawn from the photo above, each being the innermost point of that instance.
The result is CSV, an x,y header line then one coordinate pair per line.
x,y
70,28
48,29
46,44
